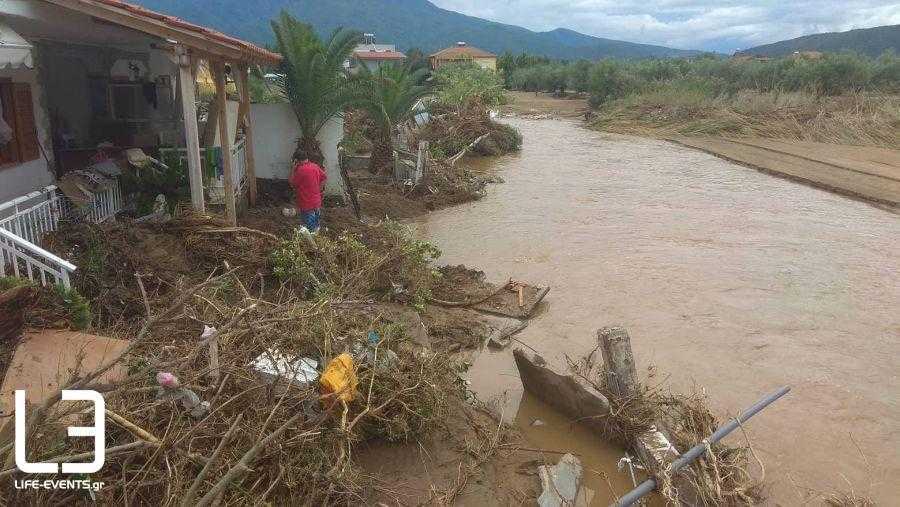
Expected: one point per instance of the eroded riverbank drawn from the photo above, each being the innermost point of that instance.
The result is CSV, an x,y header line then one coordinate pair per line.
x,y
724,276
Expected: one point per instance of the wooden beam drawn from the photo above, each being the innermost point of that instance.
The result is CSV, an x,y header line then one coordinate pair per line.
x,y
244,88
158,28
186,87
218,70
621,374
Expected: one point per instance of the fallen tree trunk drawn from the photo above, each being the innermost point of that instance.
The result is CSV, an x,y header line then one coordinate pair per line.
x,y
455,158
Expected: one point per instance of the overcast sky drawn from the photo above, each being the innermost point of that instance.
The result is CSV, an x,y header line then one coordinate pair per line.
x,y
723,25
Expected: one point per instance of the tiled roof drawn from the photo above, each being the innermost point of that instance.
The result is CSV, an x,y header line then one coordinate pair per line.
x,y
379,55
466,51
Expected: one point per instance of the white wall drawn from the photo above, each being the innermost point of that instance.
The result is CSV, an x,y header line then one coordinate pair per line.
x,y
275,134
21,179
231,113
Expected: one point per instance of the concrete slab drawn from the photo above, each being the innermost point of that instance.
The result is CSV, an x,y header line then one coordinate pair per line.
x,y
47,358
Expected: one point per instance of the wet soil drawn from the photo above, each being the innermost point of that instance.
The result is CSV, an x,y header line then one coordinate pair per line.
x,y
867,173
470,460
536,105
725,277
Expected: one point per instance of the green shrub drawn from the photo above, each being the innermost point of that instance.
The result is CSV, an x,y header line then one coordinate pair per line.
x,y
607,80
77,307
58,302
611,80
461,85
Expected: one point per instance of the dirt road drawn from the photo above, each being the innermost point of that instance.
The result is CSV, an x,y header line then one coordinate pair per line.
x,y
727,278
864,172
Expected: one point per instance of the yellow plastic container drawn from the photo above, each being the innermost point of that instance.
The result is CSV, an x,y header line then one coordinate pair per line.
x,y
340,378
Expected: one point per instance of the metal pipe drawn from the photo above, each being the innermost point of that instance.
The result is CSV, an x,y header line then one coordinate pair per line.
x,y
695,452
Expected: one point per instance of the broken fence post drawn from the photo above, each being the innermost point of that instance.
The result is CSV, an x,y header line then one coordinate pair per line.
x,y
652,446
420,162
700,449
618,361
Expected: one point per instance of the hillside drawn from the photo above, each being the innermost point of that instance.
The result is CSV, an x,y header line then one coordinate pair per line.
x,y
407,23
868,41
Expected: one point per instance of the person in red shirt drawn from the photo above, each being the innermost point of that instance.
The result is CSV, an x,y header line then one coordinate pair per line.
x,y
308,179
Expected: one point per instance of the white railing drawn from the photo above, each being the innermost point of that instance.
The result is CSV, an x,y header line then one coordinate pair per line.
x,y
24,259
33,215
106,203
214,181
28,218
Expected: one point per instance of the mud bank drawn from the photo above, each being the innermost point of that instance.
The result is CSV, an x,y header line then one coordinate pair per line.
x,y
725,277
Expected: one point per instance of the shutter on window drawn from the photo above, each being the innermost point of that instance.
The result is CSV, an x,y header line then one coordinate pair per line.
x,y
9,152
26,130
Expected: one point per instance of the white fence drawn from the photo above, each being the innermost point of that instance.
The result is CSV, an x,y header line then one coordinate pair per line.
x,y
24,259
214,181
31,216
105,203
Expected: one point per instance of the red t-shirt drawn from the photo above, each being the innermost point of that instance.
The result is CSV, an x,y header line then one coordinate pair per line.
x,y
307,178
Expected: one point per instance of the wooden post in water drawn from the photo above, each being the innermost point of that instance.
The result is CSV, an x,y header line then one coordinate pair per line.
x,y
618,361
652,446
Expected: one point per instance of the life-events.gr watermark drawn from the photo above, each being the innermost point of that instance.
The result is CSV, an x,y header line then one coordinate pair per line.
x,y
98,431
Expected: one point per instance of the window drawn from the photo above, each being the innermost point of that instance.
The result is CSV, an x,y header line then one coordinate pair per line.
x,y
18,113
129,101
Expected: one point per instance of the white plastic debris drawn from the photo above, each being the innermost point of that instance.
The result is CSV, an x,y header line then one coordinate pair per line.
x,y
170,388
272,365
560,482
384,359
191,402
207,332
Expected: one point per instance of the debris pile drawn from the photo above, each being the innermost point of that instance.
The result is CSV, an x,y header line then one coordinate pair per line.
x,y
720,477
195,428
255,363
450,132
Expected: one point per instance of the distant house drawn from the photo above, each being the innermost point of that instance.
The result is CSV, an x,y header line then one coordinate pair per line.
x,y
463,52
374,55
807,55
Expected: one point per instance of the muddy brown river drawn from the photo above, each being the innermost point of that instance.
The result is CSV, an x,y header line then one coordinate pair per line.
x,y
727,279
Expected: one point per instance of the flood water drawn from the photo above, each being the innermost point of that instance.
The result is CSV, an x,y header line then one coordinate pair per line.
x,y
726,279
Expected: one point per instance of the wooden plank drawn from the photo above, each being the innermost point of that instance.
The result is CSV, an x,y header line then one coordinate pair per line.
x,y
218,70
191,129
244,86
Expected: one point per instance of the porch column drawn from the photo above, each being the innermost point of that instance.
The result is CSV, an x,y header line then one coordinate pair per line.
x,y
191,134
244,115
218,70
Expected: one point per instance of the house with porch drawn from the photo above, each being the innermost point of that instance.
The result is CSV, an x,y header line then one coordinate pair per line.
x,y
91,85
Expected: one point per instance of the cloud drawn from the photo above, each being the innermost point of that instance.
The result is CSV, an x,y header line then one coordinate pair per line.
x,y
721,25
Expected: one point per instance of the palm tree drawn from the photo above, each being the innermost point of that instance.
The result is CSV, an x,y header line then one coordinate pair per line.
x,y
313,76
388,95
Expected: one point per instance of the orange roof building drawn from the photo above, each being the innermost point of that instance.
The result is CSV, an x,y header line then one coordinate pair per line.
x,y
461,53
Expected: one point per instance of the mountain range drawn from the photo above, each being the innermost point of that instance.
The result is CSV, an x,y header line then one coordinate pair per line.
x,y
406,23
868,41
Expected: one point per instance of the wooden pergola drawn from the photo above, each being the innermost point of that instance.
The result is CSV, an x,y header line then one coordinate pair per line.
x,y
191,43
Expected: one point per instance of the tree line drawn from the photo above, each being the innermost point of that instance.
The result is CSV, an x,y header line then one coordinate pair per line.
x,y
604,80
